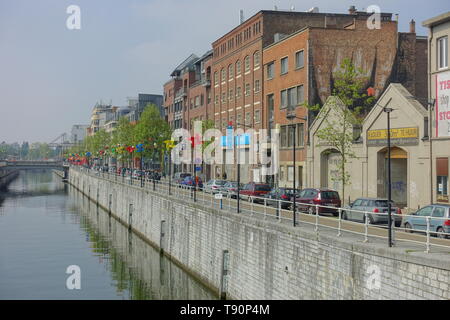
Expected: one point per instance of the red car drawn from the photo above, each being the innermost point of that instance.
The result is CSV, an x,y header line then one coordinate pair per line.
x,y
253,189
322,197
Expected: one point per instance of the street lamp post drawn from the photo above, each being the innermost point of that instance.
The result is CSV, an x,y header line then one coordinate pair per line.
x,y
388,111
238,198
291,116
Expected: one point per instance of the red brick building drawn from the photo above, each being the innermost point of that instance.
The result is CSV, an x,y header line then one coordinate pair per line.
x,y
299,68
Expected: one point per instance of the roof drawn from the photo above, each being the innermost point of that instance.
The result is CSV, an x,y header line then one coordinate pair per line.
x,y
359,14
189,60
442,18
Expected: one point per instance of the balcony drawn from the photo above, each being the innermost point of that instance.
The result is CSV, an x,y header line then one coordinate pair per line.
x,y
181,93
206,82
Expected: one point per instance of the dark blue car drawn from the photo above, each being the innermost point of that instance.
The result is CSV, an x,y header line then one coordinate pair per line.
x,y
190,181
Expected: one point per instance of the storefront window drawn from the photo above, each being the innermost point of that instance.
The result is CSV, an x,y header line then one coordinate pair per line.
x,y
442,179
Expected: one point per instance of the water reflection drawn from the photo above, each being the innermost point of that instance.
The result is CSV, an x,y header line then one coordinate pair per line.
x,y
46,225
135,266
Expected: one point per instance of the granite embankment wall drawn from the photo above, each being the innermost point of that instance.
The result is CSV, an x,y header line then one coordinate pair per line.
x,y
267,260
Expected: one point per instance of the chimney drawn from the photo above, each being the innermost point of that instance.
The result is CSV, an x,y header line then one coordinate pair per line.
x,y
412,26
241,16
352,10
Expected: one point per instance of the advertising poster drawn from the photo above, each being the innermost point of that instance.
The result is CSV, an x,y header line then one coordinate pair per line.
x,y
442,104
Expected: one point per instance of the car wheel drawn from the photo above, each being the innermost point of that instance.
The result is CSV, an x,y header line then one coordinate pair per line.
x,y
311,210
408,228
344,216
441,233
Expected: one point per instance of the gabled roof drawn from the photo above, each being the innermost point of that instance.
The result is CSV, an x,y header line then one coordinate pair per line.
x,y
189,61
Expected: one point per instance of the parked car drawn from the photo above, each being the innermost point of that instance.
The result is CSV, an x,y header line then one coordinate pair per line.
x,y
356,211
179,177
322,197
190,181
253,189
283,194
214,186
417,221
230,188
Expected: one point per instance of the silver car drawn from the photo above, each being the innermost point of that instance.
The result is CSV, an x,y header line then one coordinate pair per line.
x,y
376,208
214,186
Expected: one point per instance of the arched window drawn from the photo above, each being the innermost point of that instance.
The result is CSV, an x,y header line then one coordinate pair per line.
x,y
256,59
247,63
224,75
230,71
238,67
216,78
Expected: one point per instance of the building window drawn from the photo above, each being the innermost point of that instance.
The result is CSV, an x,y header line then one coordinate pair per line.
x,y
257,86
442,179
282,173
224,75
247,118
247,89
238,67
224,123
257,116
224,99
442,52
238,92
284,65
230,72
300,95
247,64
238,120
283,102
216,78
256,59
300,135
270,70
299,59
216,99
230,94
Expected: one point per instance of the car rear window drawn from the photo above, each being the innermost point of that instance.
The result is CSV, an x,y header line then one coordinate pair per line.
x,y
220,182
329,195
184,175
262,187
382,203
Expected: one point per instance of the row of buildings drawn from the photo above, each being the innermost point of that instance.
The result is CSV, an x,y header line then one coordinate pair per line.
x,y
106,116
275,62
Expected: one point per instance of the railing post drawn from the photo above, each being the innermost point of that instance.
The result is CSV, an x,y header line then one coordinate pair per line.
x,y
366,227
278,213
428,234
265,208
251,207
339,222
317,218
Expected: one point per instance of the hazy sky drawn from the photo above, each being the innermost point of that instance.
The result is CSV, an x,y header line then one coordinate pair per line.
x,y
50,76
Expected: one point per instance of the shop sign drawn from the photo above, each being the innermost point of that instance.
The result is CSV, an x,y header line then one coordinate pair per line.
x,y
399,136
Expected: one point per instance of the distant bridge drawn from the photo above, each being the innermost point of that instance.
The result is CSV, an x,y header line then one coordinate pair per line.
x,y
30,164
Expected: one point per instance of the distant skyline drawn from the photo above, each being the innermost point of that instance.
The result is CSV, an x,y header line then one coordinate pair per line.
x,y
51,77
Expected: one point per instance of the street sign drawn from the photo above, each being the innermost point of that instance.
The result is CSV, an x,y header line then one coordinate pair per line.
x,y
198,168
218,196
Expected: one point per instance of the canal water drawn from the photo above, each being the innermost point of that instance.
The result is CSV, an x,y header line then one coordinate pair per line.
x,y
47,226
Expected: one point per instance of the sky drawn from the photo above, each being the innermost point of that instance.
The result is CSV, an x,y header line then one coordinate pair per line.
x,y
51,76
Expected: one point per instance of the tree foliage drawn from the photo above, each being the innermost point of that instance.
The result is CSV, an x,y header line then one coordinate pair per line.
x,y
341,123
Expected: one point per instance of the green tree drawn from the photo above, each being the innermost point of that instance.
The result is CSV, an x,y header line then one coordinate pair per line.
x,y
152,130
342,122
